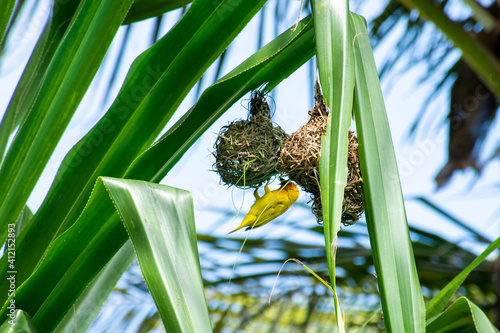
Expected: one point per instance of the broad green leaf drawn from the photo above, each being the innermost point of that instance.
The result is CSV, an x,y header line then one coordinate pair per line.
x,y
144,9
24,218
160,222
70,264
136,118
64,84
336,74
19,323
271,64
6,9
402,300
462,316
76,256
474,52
438,302
87,307
29,84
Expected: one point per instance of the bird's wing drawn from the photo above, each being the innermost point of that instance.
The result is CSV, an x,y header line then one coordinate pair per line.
x,y
266,208
248,221
275,208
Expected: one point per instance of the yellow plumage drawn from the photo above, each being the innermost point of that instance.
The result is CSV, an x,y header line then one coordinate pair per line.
x,y
271,205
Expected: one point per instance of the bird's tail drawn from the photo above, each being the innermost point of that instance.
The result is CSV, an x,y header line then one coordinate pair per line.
x,y
245,223
240,227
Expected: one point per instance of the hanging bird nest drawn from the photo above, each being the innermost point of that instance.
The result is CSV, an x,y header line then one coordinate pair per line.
x,y
247,151
299,157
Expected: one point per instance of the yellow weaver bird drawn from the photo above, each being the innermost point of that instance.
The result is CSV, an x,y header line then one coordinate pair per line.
x,y
271,205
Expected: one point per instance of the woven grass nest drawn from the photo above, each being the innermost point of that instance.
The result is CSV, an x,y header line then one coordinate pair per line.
x,y
299,158
247,151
